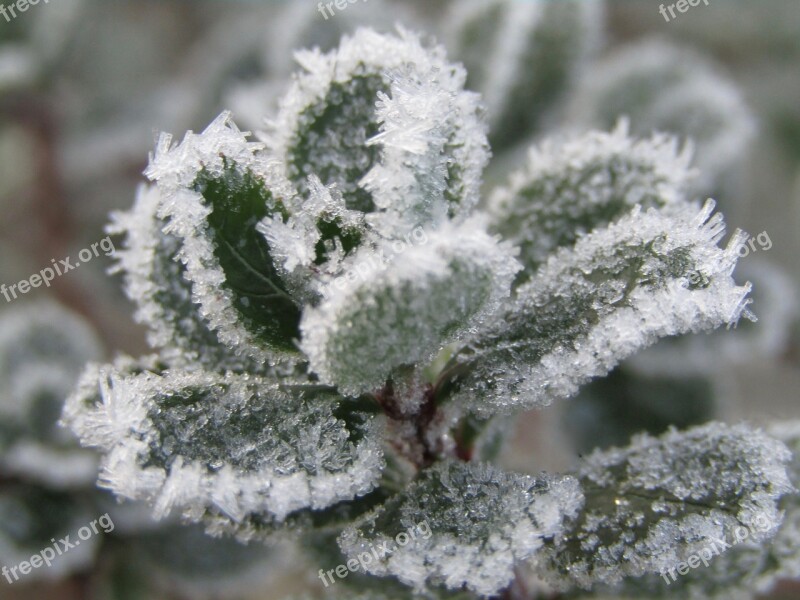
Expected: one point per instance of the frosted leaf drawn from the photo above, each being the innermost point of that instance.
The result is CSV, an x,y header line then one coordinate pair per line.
x,y
661,500
42,348
434,148
381,316
648,275
569,188
522,56
748,567
668,88
215,187
43,332
235,451
330,111
156,281
464,525
30,518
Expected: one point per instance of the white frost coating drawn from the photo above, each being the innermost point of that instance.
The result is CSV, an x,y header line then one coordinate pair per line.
x,y
776,296
507,379
175,168
434,148
571,185
210,459
653,504
181,339
468,524
406,311
679,91
369,54
293,243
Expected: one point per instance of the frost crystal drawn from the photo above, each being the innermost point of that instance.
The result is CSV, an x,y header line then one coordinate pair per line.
x,y
237,452
661,500
464,525
331,112
618,290
155,280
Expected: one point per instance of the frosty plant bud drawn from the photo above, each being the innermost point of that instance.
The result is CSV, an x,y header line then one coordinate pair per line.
x,y
337,328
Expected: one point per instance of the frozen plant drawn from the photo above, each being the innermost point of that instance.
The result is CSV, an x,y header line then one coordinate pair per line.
x,y
298,389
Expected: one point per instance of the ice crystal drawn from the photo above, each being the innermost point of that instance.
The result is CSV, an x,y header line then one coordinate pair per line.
x,y
405,311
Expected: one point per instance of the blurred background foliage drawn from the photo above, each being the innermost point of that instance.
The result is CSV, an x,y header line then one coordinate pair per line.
x,y
85,85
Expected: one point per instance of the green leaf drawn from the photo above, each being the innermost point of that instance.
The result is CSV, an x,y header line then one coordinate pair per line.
x,y
406,311
42,349
238,452
215,187
157,282
570,188
618,290
522,57
462,526
387,121
656,503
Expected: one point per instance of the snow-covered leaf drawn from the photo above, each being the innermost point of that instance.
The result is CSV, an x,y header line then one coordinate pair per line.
x,y
215,187
618,290
235,451
156,281
463,525
331,112
652,505
522,56
382,316
42,348
668,88
572,187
